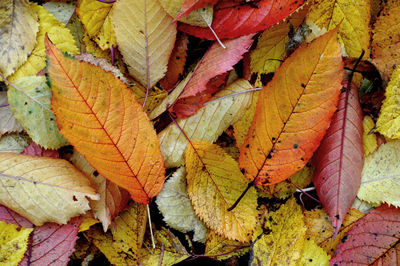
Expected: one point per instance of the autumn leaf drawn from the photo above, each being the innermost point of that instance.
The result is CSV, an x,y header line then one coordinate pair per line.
x,y
200,17
117,139
340,157
289,120
217,245
372,240
370,143
18,28
190,5
15,143
214,182
13,243
8,123
313,255
53,189
35,150
63,11
145,23
232,20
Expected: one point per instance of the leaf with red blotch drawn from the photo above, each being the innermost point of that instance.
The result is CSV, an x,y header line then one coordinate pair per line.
x,y
190,5
340,158
232,19
36,150
373,240
50,244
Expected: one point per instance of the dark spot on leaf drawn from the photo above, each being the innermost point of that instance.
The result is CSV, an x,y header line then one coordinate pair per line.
x,y
95,173
248,145
74,198
295,146
303,85
26,103
269,156
344,239
242,170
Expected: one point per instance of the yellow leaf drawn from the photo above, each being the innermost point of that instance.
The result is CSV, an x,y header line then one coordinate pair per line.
x,y
166,243
18,29
87,221
145,36
31,106
43,189
320,229
154,98
214,182
207,124
8,123
380,178
13,243
174,204
95,17
216,244
369,139
271,45
59,35
283,239
199,17
15,143
313,255
354,17
388,123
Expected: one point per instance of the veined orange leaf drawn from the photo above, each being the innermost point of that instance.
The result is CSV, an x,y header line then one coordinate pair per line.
x,y
293,112
100,116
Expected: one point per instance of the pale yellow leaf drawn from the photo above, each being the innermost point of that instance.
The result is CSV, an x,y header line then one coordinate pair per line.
x,y
284,235
176,208
313,255
388,123
214,183
370,143
363,206
207,124
15,143
199,17
18,29
13,243
61,10
216,244
58,34
380,178
145,36
8,123
43,189
354,17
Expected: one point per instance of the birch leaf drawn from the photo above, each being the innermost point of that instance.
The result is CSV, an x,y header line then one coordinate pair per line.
x,y
31,106
8,123
150,28
207,124
18,27
13,243
214,182
174,204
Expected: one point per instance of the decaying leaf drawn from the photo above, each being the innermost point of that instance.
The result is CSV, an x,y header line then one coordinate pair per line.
x,y
293,112
106,124
313,255
13,243
31,106
216,245
214,182
18,29
8,123
43,189
174,204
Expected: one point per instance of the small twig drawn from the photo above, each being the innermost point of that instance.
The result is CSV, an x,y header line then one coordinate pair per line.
x,y
151,228
107,1
304,192
161,255
112,55
213,32
4,105
233,94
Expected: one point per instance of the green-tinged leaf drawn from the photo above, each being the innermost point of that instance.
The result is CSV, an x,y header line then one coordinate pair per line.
x,y
8,123
15,143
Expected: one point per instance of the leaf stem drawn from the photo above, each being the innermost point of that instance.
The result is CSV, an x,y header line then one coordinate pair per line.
x,y
107,1
213,32
147,55
4,105
151,228
241,196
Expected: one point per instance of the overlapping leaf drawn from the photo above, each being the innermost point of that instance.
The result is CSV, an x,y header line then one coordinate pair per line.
x,y
13,243
62,11
293,112
43,189
218,245
206,125
100,116
35,150
214,182
370,143
145,36
8,123
232,19
200,17
190,5
14,143
18,27
340,157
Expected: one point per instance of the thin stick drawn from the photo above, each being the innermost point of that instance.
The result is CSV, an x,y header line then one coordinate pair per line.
x,y
4,105
233,94
151,228
304,192
213,32
112,55
147,55
161,255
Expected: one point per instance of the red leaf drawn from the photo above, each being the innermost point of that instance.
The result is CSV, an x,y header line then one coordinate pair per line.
x,y
340,157
36,150
232,19
11,217
373,240
190,5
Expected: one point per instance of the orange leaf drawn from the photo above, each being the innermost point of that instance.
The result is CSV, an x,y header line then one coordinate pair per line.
x,y
293,112
100,116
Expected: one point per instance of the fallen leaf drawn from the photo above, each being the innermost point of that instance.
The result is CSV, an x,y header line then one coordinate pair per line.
x,y
61,11
363,206
214,182
8,123
370,142
380,181
340,157
199,17
216,245
190,5
353,17
18,28
105,124
60,36
35,150
373,240
232,19
313,255
15,143
206,125
31,107
289,121
174,204
53,190
145,23
13,243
